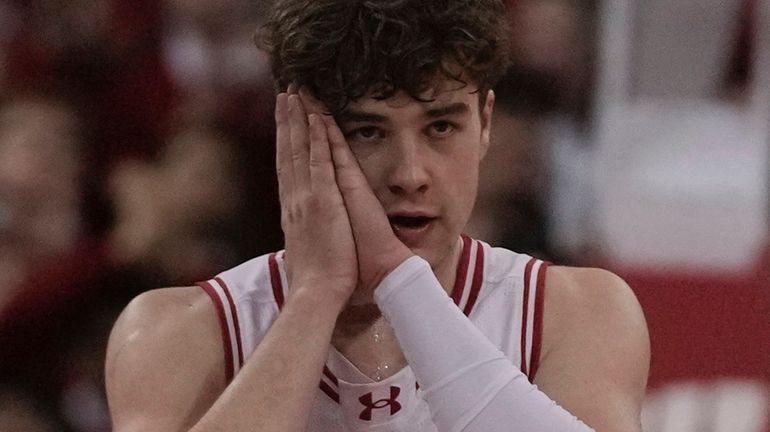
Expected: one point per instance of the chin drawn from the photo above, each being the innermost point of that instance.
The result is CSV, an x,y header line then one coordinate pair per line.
x,y
434,254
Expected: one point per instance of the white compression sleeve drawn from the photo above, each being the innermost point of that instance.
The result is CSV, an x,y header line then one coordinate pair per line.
x,y
468,383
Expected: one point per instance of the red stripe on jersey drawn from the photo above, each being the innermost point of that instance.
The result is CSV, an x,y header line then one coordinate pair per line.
x,y
330,375
537,330
235,319
275,280
329,391
527,276
226,342
478,277
462,270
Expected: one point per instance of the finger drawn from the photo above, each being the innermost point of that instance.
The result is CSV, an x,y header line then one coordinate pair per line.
x,y
300,144
364,209
283,162
321,167
292,89
311,103
368,221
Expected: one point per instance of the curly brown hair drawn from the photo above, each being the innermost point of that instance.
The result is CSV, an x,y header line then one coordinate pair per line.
x,y
344,49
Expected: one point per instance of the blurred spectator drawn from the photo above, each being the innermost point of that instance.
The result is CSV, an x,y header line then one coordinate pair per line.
x,y
41,165
534,191
104,56
40,169
552,53
174,214
224,81
208,49
176,222
513,188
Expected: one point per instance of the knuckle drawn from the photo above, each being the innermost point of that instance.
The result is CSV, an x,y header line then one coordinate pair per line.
x,y
297,212
296,156
317,161
292,212
314,203
302,199
347,184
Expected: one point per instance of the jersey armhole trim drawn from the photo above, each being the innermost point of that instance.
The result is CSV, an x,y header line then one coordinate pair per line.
x,y
478,279
227,342
537,331
234,314
524,315
275,280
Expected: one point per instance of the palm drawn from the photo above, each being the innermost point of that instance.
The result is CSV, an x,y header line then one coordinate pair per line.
x,y
319,242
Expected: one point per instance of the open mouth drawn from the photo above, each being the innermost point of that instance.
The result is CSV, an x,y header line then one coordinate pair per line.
x,y
409,222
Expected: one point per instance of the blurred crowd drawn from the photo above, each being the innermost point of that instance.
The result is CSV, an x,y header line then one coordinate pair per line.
x,y
136,151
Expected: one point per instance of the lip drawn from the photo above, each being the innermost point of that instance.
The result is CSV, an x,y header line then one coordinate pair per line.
x,y
412,236
411,213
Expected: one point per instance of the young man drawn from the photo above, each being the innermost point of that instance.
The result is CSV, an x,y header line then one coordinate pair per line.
x,y
379,315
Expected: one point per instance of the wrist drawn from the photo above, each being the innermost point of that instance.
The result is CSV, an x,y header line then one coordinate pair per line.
x,y
316,299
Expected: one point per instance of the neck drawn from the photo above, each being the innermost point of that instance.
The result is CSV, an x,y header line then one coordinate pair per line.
x,y
364,337
446,269
359,315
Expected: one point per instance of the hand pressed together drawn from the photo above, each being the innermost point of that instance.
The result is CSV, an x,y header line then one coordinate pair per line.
x,y
338,237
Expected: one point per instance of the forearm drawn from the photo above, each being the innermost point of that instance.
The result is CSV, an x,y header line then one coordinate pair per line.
x,y
468,383
276,387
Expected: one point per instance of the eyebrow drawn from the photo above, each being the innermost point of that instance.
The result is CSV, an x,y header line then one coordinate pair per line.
x,y
452,109
353,116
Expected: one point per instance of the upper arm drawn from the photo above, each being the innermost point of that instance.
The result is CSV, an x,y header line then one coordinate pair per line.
x,y
596,353
164,365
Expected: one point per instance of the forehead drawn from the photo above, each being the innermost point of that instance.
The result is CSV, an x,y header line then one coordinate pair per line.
x,y
445,93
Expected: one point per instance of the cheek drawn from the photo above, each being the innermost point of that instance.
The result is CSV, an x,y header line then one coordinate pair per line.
x,y
467,190
462,182
373,167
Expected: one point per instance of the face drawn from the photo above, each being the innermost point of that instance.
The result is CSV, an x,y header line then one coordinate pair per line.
x,y
40,167
422,159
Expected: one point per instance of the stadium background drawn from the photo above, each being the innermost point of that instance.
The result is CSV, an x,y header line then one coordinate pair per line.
x,y
136,151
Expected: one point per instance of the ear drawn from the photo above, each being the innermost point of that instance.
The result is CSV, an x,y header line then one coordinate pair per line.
x,y
486,122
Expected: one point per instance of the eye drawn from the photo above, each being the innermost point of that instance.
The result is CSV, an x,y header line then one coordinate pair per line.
x,y
366,133
441,128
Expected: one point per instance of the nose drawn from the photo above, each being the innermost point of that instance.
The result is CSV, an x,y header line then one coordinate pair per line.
x,y
408,171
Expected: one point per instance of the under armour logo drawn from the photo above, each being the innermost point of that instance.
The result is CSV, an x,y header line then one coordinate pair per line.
x,y
367,401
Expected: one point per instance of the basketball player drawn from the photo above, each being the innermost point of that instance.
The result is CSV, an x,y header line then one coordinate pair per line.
x,y
380,315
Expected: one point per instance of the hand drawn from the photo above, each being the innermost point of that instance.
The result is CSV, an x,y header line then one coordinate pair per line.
x,y
379,251
320,251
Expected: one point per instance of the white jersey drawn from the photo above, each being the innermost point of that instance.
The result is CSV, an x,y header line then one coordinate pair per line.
x,y
500,291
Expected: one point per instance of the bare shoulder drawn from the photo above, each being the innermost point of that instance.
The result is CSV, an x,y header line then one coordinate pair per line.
x,y
163,314
595,351
577,293
164,364
590,304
